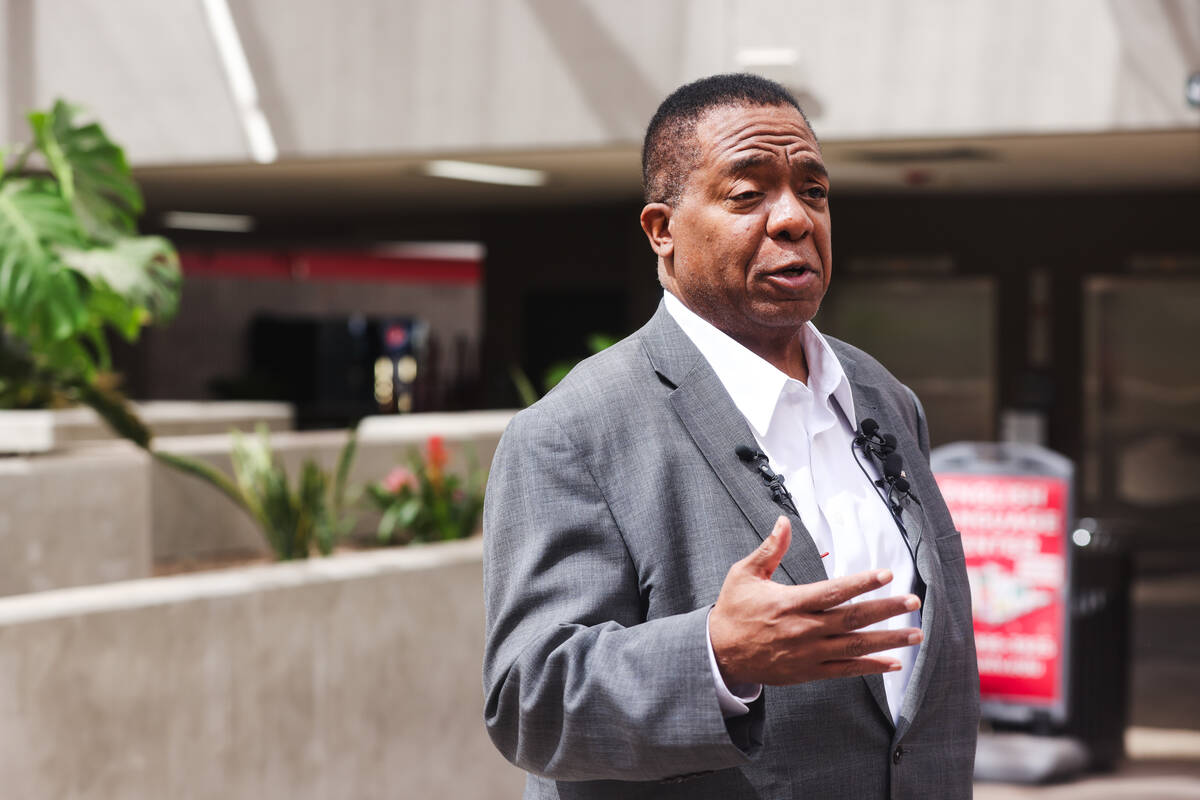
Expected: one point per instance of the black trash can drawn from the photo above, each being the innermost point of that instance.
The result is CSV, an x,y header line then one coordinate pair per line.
x,y
1098,707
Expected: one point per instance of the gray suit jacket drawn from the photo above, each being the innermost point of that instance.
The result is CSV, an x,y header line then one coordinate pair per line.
x,y
615,507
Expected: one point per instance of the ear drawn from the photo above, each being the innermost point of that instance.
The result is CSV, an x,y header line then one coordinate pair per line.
x,y
656,222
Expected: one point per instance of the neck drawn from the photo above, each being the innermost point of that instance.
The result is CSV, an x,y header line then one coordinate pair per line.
x,y
784,352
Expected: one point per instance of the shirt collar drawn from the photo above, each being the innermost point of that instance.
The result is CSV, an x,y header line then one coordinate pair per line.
x,y
755,385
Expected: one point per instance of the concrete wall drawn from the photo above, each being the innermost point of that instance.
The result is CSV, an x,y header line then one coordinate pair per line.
x,y
41,431
75,517
378,77
191,520
352,677
179,418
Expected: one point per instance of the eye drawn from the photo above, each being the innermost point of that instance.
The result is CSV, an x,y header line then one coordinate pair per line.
x,y
745,197
817,192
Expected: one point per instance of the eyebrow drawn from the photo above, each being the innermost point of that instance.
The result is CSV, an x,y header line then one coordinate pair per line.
x,y
746,163
815,167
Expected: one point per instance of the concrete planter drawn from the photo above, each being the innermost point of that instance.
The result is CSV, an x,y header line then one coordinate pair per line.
x,y
47,431
74,517
106,511
192,521
28,431
354,676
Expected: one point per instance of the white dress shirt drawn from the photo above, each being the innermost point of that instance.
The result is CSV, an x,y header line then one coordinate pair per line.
x,y
807,433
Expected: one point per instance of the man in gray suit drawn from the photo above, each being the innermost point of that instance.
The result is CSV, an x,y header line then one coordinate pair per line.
x,y
634,649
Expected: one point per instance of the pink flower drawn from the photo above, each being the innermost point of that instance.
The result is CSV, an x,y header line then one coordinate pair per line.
x,y
400,478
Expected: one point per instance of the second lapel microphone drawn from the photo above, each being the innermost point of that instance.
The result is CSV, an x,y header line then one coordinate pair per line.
x,y
773,480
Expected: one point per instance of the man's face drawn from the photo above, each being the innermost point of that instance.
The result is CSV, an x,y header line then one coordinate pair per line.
x,y
749,240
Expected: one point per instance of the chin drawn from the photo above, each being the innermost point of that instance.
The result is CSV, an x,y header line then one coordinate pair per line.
x,y
794,315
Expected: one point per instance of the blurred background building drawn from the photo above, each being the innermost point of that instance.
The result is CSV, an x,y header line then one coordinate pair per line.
x,y
1016,192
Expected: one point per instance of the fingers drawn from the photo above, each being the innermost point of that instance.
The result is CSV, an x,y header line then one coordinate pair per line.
x,y
762,632
853,667
766,557
854,645
832,593
853,616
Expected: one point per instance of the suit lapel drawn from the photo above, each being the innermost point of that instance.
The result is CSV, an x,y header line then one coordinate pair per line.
x,y
868,403
717,428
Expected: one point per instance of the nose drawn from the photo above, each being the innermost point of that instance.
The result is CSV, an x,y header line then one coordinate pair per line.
x,y
788,218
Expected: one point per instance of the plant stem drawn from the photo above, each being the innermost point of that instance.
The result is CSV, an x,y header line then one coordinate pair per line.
x,y
205,472
18,166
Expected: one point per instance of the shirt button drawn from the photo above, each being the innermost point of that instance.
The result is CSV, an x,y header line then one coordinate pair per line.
x,y
899,754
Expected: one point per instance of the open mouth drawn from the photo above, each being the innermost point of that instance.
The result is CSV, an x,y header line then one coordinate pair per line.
x,y
792,272
794,278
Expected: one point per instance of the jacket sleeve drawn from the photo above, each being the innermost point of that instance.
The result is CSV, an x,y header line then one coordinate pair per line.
x,y
578,684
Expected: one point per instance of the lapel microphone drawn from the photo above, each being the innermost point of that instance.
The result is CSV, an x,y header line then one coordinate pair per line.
x,y
872,441
882,447
774,481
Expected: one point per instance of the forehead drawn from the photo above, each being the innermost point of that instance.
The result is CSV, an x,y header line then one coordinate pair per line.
x,y
729,134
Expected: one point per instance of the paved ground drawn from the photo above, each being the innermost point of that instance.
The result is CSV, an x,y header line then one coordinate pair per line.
x,y
1163,744
1163,764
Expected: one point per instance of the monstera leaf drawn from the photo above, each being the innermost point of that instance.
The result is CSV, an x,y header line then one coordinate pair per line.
x,y
38,297
92,171
72,268
140,271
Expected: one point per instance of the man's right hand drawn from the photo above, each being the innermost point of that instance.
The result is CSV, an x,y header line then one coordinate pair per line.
x,y
765,632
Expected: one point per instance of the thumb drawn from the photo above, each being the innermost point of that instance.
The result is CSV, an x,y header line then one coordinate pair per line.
x,y
765,559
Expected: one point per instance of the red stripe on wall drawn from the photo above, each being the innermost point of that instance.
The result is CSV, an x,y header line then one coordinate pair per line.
x,y
329,265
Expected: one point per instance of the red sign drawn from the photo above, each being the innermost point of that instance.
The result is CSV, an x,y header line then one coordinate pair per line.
x,y
329,265
1014,535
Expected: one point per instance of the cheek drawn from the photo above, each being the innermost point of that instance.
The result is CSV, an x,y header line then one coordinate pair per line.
x,y
741,243
824,242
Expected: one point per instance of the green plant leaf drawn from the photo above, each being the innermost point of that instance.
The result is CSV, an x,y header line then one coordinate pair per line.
x,y
407,512
281,511
248,465
599,342
43,132
31,213
313,518
524,386
105,306
388,523
62,306
72,362
208,473
345,460
143,270
379,495
555,373
92,170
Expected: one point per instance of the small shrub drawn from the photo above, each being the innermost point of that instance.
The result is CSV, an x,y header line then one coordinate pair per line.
x,y
422,502
293,520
